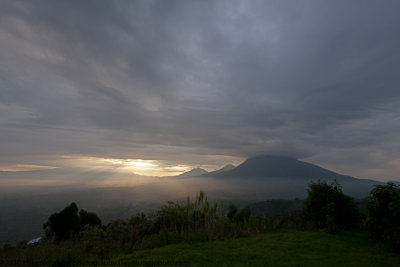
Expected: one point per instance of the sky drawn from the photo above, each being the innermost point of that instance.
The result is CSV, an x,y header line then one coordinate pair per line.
x,y
160,87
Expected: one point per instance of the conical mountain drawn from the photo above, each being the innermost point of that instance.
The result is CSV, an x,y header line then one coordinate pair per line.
x,y
224,169
269,166
193,173
227,167
285,176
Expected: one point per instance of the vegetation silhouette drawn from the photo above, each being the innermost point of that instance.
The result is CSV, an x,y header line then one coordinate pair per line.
x,y
327,207
67,223
383,214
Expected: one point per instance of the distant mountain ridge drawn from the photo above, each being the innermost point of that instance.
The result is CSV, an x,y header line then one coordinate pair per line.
x,y
193,173
270,166
224,169
284,174
227,167
196,172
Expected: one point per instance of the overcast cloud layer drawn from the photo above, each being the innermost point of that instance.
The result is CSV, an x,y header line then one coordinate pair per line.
x,y
202,82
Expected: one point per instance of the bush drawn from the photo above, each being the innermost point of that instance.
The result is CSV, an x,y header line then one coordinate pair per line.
x,y
93,239
327,207
66,224
63,225
232,210
195,216
383,213
88,218
243,215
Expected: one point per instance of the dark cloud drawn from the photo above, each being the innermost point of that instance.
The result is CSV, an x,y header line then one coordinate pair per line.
x,y
187,81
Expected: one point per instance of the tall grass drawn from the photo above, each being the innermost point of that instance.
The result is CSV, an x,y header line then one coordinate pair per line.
x,y
189,221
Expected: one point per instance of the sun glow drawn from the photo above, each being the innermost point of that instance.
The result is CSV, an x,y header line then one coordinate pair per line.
x,y
132,166
141,164
153,167
71,170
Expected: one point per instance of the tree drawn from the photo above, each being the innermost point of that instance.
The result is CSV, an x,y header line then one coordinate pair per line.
x,y
243,215
89,218
238,216
63,225
327,207
383,213
66,224
232,210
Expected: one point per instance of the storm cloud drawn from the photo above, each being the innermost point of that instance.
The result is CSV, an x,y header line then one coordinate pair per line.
x,y
202,83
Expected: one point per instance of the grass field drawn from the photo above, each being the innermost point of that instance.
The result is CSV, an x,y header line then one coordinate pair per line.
x,y
289,248
349,248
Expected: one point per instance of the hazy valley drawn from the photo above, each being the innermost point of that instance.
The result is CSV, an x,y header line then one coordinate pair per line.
x,y
257,179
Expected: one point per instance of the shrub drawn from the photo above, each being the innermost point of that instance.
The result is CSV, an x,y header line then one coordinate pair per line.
x,y
383,213
327,207
119,235
232,210
66,224
243,215
93,239
63,225
88,218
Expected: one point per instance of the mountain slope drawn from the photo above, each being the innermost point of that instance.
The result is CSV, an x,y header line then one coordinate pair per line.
x,y
284,176
226,168
193,173
267,166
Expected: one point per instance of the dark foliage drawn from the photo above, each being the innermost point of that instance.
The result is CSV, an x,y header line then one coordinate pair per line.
x,y
198,220
383,213
189,221
66,224
238,216
327,207
232,210
243,215
89,218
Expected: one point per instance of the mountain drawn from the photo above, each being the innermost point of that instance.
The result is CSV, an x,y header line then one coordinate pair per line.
x,y
285,174
193,173
226,168
267,166
198,172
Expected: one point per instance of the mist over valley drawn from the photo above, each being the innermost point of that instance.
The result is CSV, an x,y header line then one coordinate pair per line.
x,y
257,179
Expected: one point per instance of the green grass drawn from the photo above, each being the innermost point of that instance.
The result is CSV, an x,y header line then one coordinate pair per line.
x,y
350,248
289,248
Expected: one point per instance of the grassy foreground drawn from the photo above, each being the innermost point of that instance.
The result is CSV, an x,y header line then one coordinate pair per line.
x,y
293,248
289,248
